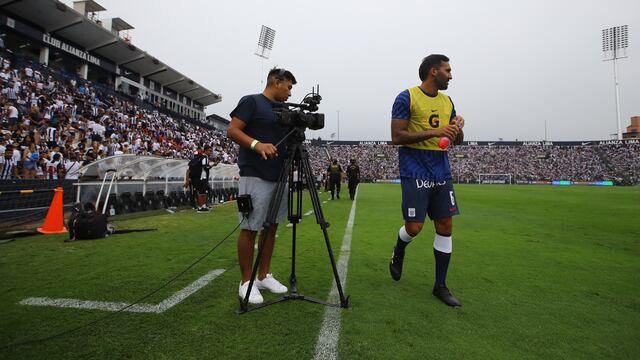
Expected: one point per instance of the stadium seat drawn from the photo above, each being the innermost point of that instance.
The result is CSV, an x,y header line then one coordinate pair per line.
x,y
126,203
139,202
161,200
173,199
114,203
183,199
151,202
191,199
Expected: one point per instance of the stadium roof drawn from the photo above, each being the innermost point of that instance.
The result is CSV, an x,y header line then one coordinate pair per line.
x,y
56,18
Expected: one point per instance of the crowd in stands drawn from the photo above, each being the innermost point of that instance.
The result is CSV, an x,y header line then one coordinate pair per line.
x,y
376,162
624,160
529,163
54,122
620,163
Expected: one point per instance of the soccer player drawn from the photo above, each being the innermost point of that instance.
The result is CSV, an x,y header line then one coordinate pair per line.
x,y
353,175
421,116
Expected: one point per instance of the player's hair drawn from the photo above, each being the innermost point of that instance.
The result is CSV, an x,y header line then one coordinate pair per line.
x,y
430,62
280,74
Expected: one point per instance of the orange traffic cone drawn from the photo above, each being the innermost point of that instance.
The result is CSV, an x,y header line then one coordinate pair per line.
x,y
54,222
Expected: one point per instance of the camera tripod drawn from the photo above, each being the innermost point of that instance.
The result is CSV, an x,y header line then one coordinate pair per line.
x,y
297,161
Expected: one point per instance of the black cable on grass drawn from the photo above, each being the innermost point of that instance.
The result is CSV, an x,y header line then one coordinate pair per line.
x,y
100,319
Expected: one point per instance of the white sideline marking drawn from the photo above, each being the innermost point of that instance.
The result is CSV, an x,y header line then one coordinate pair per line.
x,y
308,213
327,344
324,202
163,306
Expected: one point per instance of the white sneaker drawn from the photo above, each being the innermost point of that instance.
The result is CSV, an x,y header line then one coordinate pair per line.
x,y
254,297
270,283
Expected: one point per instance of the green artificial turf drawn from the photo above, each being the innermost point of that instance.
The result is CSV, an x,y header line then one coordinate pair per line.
x,y
542,272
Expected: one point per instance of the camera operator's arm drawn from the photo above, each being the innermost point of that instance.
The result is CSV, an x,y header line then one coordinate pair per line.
x,y
237,135
187,178
401,136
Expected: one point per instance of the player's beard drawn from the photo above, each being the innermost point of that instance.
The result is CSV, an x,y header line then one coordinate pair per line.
x,y
442,83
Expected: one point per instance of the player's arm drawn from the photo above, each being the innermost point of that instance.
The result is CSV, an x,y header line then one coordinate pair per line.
x,y
459,122
236,133
400,135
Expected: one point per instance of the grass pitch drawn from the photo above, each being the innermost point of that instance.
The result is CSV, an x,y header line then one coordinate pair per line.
x,y
542,272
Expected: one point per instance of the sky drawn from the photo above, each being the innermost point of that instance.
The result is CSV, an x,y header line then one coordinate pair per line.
x,y
516,64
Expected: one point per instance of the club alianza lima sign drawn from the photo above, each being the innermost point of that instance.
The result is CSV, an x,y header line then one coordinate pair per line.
x,y
46,38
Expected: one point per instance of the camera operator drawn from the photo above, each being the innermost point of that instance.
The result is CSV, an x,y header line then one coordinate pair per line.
x,y
253,127
353,176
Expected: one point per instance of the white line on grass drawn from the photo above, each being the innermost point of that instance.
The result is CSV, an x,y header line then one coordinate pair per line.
x,y
308,213
116,306
327,344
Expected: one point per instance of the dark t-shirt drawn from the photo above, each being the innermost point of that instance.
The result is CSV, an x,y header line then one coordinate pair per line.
x,y
256,111
353,173
197,165
335,172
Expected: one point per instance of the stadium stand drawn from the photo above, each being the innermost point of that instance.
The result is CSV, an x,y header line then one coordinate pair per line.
x,y
61,112
526,162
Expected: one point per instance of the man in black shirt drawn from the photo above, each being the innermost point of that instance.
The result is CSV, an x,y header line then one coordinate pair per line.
x,y
253,127
198,177
334,173
353,174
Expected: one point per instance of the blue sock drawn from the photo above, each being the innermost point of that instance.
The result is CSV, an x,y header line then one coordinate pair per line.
x,y
442,264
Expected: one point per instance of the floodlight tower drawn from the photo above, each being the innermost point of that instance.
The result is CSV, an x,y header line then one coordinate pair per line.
x,y
615,41
265,44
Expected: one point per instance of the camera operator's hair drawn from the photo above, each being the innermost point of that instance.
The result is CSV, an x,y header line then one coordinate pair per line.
x,y
430,62
280,74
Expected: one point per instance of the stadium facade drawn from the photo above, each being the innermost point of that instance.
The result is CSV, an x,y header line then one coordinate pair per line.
x,y
77,41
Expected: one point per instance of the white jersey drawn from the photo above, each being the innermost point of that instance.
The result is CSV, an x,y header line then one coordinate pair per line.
x,y
6,168
72,169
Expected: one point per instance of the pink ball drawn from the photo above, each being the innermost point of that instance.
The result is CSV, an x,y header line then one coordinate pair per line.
x,y
444,142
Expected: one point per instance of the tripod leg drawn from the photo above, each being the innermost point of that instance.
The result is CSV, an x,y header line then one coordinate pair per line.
x,y
272,215
315,201
295,187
